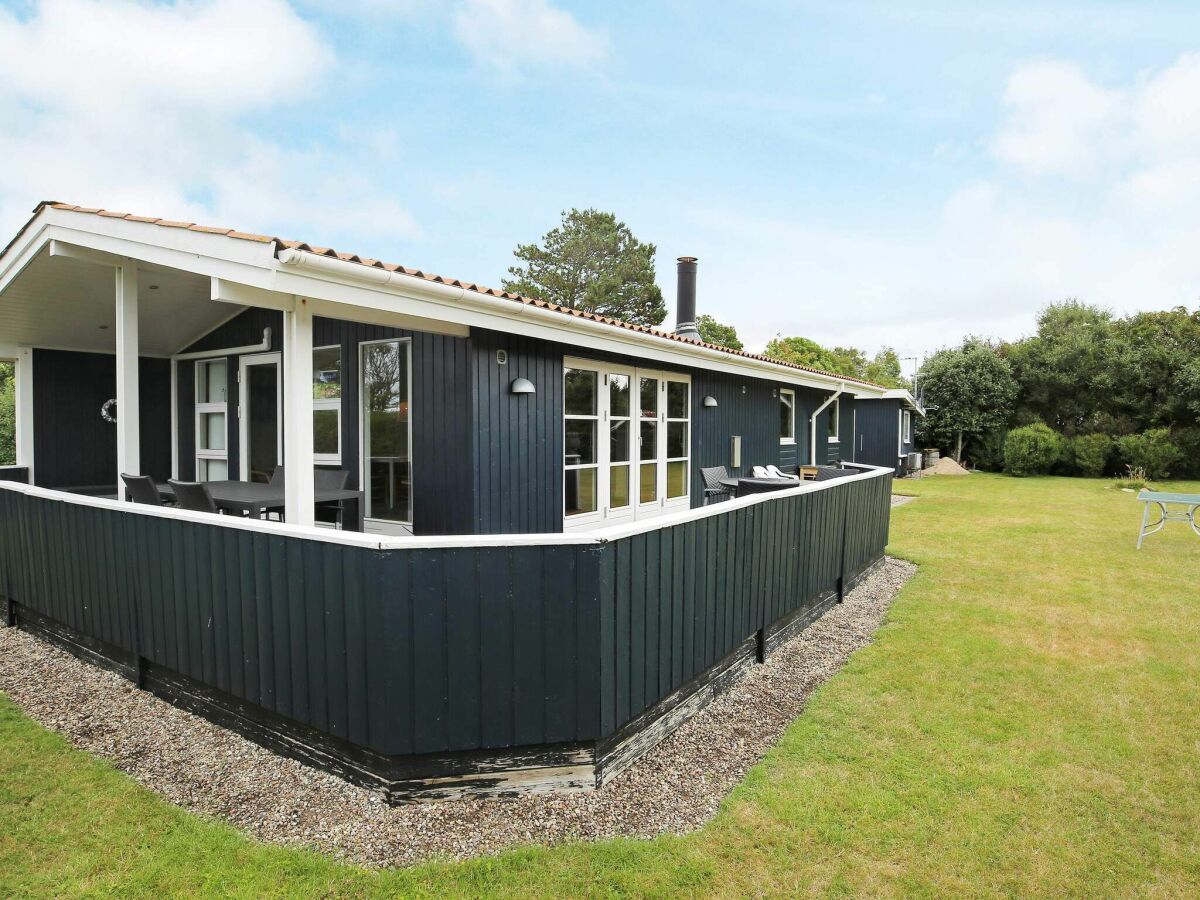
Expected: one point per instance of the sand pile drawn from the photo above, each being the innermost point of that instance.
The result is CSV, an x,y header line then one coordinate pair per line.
x,y
946,466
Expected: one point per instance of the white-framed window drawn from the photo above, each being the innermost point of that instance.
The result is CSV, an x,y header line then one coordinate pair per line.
x,y
327,405
581,450
835,420
907,431
787,416
212,419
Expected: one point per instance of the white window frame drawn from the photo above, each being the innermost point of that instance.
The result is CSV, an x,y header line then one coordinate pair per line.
x,y
906,431
385,526
206,408
789,439
244,412
600,465
835,421
335,459
604,515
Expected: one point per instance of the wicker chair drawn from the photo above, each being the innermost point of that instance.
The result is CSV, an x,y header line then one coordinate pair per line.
x,y
713,489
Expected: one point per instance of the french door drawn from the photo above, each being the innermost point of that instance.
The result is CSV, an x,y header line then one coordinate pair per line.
x,y
626,440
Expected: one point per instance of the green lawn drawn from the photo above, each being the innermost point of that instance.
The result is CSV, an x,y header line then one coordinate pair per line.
x,y
1028,722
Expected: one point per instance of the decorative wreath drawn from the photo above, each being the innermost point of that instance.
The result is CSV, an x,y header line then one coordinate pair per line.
x,y
108,411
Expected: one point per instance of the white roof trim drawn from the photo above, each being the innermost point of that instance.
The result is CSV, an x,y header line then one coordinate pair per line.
x,y
302,273
906,397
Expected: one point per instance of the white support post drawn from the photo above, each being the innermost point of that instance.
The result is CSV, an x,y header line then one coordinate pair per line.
x,y
128,401
297,415
23,373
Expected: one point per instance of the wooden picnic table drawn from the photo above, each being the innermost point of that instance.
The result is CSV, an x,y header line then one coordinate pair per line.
x,y
1166,501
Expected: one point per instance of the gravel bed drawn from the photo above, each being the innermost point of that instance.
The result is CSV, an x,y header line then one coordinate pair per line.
x,y
901,499
676,787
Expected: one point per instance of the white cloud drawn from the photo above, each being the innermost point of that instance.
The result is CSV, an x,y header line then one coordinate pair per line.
x,y
509,35
153,109
1058,119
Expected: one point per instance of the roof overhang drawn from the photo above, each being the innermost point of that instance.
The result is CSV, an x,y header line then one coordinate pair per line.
x,y
906,398
255,272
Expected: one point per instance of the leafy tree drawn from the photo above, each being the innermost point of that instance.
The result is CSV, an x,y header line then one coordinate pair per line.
x,y
713,332
883,369
8,416
801,351
1156,377
968,391
1066,369
591,262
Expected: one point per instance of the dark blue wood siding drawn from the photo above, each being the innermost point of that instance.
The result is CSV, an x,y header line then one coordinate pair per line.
x,y
677,600
878,432
441,409
518,440
72,445
406,651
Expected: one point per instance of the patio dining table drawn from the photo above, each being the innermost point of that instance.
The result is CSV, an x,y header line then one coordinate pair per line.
x,y
256,499
742,486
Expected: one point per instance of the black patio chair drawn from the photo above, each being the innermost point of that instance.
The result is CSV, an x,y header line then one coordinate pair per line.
x,y
142,489
330,480
193,495
276,476
713,489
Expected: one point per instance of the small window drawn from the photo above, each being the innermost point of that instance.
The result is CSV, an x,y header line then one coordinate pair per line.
x,y
787,416
212,420
907,427
835,421
327,405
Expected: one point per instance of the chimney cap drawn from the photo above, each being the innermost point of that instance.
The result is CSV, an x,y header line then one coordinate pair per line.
x,y
686,259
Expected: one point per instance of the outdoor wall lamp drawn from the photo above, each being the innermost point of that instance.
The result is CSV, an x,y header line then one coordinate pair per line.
x,y
710,401
522,386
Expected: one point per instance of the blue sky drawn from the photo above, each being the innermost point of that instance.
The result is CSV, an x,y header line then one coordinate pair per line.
x,y
866,173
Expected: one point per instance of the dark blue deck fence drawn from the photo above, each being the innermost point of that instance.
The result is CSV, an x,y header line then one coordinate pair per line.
x,y
432,649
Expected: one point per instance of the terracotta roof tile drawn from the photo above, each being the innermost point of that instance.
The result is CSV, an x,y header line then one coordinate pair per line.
x,y
417,273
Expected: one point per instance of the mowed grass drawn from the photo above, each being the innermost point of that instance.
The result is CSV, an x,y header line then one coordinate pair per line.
x,y
1028,722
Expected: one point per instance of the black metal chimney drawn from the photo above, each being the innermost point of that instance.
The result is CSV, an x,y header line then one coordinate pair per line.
x,y
685,299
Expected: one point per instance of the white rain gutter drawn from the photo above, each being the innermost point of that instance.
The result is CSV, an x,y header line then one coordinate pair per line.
x,y
445,293
261,347
812,447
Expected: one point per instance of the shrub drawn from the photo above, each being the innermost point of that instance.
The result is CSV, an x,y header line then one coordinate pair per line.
x,y
1032,450
1134,479
1091,452
1188,442
986,450
1151,450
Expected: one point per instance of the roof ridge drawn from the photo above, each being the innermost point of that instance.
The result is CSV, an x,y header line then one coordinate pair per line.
x,y
370,262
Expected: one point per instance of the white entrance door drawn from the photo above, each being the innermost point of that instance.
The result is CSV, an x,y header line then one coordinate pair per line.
x,y
259,419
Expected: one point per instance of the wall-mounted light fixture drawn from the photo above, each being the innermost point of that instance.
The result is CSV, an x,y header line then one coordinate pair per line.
x,y
522,386
710,401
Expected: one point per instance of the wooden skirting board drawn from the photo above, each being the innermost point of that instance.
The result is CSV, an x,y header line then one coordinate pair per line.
x,y
509,772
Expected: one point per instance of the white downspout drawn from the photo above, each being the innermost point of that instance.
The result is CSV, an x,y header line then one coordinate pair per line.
x,y
812,447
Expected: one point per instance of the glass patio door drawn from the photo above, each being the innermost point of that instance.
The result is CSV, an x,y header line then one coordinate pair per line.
x,y
626,443
385,381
